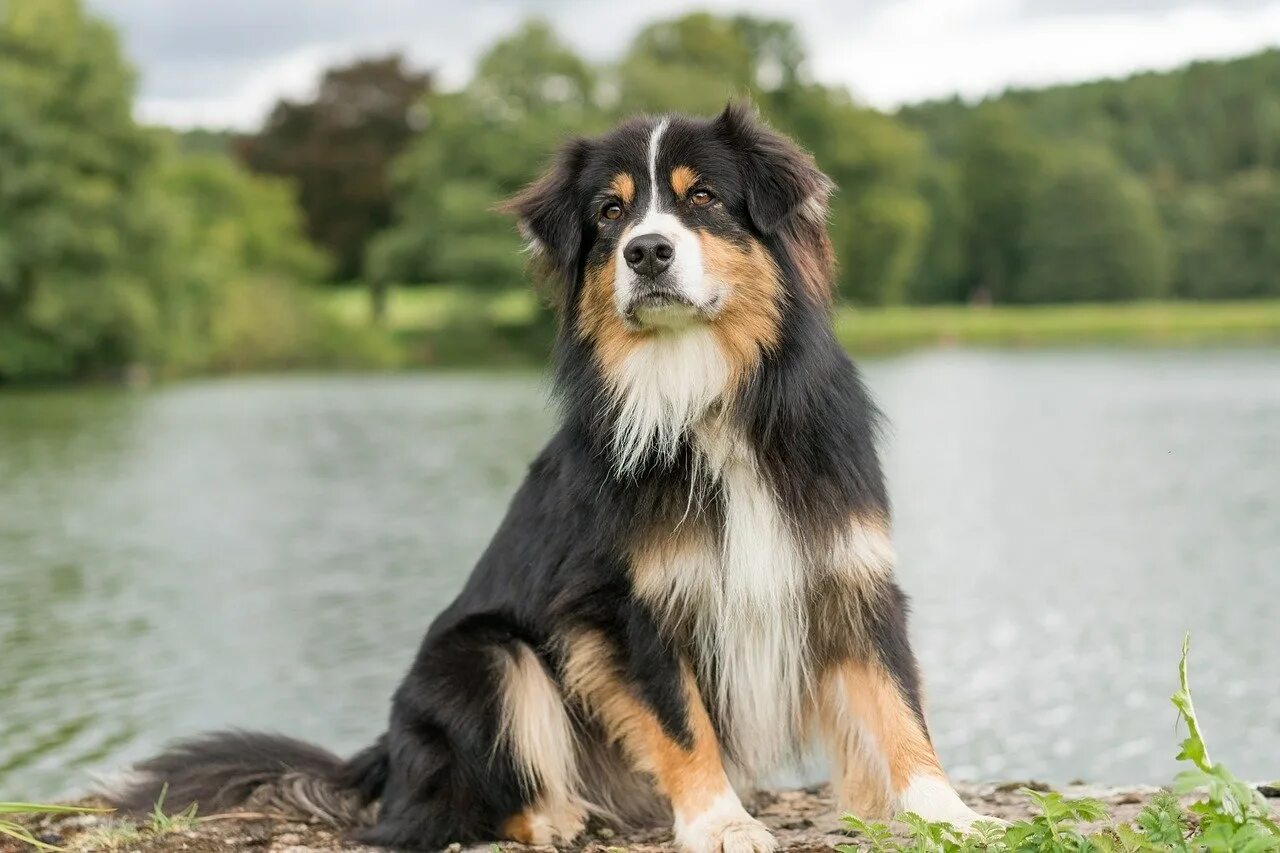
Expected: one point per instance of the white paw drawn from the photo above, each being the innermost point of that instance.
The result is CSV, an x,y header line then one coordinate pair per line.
x,y
724,828
933,799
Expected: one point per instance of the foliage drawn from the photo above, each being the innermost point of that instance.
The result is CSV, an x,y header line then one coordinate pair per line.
x,y
1091,234
120,248
78,264
1233,817
338,150
117,250
481,145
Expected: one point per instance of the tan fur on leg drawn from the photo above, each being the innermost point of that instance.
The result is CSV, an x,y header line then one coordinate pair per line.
x,y
708,815
884,762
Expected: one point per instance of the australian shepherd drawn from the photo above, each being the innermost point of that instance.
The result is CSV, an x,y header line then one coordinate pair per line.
x,y
694,583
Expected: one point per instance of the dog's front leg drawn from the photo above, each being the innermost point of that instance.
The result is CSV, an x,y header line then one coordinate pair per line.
x,y
883,761
655,713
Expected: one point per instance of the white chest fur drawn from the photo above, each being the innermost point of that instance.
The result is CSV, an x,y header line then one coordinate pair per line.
x,y
741,592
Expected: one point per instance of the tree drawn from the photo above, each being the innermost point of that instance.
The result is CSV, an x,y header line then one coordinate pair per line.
x,y
338,149
878,217
1232,244
1092,234
1000,167
693,63
481,145
78,255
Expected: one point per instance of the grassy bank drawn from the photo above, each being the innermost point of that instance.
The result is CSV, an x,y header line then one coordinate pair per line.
x,y
453,325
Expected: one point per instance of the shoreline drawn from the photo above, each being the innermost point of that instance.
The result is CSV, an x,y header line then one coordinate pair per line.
x,y
804,820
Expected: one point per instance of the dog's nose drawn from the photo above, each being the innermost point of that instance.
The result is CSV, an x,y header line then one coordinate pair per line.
x,y
649,254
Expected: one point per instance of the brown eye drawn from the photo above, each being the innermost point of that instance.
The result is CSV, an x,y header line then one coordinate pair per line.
x,y
611,210
701,197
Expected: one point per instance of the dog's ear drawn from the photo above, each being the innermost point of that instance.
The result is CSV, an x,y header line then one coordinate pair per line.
x,y
547,211
781,180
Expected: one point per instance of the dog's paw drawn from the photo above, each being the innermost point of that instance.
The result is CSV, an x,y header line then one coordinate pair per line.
x,y
541,826
724,828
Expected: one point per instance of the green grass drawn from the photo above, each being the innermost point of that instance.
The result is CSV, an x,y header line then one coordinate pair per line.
x,y
1231,816
19,832
873,330
450,324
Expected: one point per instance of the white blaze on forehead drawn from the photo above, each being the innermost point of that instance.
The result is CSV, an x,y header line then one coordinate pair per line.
x,y
655,140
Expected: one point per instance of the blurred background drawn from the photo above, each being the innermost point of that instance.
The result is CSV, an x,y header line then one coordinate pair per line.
x,y
269,368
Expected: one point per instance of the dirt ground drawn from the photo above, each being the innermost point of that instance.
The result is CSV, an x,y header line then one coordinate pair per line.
x,y
803,820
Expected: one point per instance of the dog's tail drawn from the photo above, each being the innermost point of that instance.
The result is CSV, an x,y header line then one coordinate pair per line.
x,y
222,770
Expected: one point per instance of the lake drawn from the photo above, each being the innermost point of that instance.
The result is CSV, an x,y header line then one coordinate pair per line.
x,y
266,553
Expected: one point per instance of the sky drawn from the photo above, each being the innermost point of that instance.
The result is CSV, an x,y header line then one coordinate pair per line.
x,y
225,63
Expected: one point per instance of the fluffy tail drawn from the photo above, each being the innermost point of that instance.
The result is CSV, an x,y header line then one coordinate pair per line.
x,y
223,770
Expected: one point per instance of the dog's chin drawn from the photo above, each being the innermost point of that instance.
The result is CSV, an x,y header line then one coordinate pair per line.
x,y
661,312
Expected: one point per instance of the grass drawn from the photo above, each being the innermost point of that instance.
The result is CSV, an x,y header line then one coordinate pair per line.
x,y
114,836
872,330
1231,815
450,324
18,832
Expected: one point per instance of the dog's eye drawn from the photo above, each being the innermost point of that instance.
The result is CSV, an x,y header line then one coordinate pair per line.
x,y
701,197
611,210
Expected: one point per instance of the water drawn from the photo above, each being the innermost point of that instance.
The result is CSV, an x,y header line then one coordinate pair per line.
x,y
266,552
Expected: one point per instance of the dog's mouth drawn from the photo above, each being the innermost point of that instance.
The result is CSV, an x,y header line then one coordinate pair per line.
x,y
659,305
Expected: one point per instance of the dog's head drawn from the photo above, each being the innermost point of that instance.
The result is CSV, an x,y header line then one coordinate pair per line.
x,y
670,223
675,248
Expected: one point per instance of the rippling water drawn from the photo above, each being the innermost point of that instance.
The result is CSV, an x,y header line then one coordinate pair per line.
x,y
266,553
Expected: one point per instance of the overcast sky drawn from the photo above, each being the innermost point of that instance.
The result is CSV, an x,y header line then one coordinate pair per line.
x,y
225,63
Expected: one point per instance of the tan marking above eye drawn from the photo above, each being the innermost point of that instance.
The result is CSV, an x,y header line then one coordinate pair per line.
x,y
624,187
682,179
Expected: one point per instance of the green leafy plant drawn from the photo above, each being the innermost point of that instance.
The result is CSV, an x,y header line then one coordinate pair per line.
x,y
1233,816
19,832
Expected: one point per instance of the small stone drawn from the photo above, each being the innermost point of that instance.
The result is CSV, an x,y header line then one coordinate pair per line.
x,y
455,847
1128,798
289,839
1270,791
605,832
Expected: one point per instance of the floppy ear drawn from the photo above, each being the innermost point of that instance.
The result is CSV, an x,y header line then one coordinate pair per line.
x,y
547,211
781,180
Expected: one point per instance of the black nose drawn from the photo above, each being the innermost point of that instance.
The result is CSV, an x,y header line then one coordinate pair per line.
x,y
649,254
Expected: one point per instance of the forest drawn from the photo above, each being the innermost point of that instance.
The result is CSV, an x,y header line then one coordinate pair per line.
x,y
127,249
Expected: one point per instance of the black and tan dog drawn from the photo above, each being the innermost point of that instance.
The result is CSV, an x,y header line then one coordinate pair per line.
x,y
695,581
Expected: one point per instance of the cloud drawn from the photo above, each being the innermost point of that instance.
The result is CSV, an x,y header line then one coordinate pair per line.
x,y
226,63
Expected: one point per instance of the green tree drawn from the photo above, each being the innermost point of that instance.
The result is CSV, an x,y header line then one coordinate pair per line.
x,y
1000,167
338,149
939,277
1092,234
879,219
78,258
693,64
481,145
1232,250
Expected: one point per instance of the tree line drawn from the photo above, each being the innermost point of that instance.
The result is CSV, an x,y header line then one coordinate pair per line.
x,y
1157,186
124,245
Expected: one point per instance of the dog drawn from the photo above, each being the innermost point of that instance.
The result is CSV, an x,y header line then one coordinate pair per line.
x,y
693,584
